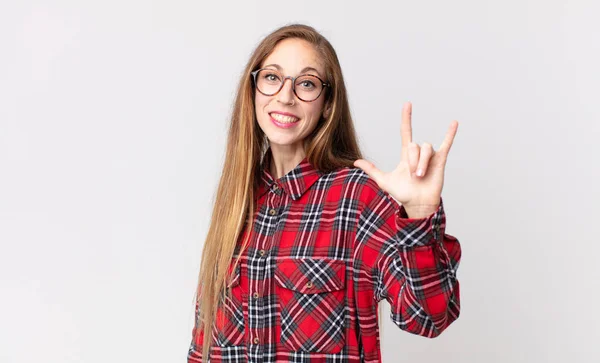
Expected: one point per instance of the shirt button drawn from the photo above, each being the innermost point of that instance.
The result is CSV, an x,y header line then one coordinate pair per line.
x,y
275,187
255,340
272,212
262,252
309,284
255,295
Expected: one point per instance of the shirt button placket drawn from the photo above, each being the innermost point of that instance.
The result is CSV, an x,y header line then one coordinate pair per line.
x,y
261,325
256,304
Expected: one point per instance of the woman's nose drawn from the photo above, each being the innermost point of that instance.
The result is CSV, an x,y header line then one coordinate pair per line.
x,y
286,93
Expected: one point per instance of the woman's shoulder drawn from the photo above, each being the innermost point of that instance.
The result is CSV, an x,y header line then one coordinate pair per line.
x,y
353,189
353,180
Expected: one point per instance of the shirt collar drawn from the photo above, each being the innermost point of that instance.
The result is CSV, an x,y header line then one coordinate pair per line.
x,y
294,183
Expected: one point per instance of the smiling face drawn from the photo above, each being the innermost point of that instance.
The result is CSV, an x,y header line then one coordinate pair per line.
x,y
284,118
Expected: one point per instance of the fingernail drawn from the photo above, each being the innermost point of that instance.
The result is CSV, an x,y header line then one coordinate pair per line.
x,y
420,172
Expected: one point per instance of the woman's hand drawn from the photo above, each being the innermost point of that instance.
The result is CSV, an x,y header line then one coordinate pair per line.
x,y
419,193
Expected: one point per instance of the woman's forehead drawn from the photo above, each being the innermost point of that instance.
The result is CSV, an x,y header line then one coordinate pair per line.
x,y
294,56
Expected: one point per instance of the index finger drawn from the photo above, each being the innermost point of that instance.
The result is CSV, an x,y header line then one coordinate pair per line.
x,y
405,127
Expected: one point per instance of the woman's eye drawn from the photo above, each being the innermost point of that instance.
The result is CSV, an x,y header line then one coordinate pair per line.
x,y
271,77
307,84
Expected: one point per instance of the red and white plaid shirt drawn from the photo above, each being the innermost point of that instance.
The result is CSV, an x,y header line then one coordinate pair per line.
x,y
325,249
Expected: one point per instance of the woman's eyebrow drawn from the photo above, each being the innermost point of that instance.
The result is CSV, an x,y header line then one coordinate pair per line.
x,y
304,70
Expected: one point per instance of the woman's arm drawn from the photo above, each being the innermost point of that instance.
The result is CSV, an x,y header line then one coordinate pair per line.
x,y
412,263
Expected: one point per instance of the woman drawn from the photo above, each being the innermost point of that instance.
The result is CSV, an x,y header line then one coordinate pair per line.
x,y
306,237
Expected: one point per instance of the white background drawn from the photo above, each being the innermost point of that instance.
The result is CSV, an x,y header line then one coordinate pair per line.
x,y
112,127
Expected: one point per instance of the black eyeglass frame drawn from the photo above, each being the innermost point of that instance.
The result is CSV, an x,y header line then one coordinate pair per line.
x,y
293,79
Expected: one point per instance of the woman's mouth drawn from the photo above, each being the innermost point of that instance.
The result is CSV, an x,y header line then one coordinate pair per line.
x,y
283,121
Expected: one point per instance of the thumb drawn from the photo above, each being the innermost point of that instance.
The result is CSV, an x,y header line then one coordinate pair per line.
x,y
369,168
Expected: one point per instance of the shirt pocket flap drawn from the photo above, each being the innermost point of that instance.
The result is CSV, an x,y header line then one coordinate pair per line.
x,y
311,275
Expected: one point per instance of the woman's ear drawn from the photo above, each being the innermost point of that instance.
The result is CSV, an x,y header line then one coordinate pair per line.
x,y
327,111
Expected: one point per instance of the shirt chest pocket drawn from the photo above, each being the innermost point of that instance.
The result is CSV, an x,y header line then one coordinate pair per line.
x,y
311,304
229,325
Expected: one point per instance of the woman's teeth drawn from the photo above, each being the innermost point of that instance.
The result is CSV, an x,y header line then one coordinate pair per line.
x,y
284,119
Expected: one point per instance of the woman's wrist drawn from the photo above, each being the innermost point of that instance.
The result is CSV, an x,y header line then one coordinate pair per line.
x,y
421,210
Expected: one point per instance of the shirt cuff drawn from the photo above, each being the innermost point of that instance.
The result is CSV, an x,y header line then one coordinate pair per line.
x,y
416,232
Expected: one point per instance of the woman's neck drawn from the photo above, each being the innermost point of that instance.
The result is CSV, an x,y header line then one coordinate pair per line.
x,y
284,159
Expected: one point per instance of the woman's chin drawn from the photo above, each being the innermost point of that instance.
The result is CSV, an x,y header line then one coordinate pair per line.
x,y
281,141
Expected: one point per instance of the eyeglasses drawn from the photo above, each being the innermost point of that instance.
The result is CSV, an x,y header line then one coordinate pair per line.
x,y
306,87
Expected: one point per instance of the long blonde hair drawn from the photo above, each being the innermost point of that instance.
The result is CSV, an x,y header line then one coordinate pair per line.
x,y
330,146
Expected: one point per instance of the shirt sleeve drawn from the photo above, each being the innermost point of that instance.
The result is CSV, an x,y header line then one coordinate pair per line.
x,y
411,263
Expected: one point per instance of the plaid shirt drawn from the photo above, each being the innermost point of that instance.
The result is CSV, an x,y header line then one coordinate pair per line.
x,y
325,249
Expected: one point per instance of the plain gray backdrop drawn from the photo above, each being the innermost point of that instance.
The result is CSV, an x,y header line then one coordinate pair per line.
x,y
113,120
